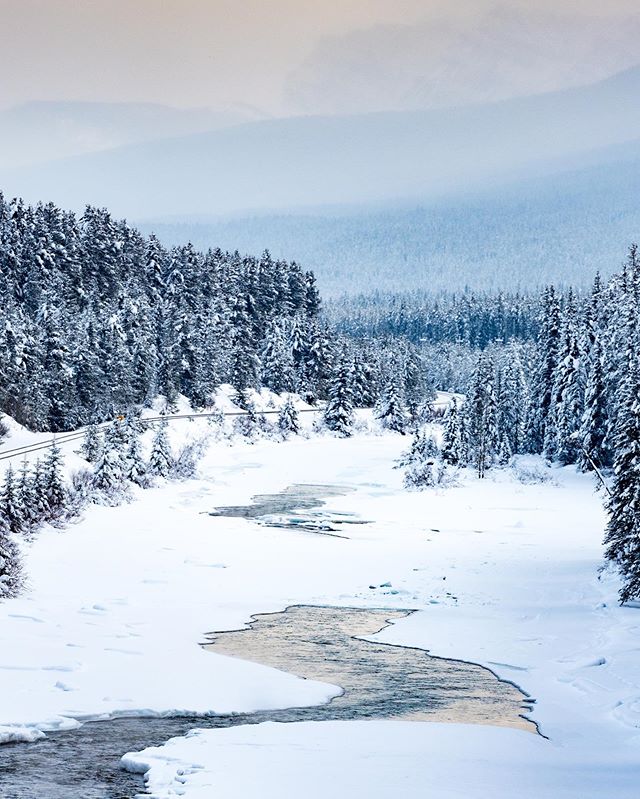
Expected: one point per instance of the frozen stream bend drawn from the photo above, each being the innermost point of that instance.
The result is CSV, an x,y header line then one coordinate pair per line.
x,y
323,643
503,573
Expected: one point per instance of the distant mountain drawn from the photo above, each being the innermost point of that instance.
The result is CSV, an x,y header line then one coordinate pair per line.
x,y
471,57
44,131
287,164
560,228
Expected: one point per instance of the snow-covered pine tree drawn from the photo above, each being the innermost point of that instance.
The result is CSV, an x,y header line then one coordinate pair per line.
x,y
482,417
31,514
545,372
10,566
338,413
135,466
278,372
39,491
423,445
108,472
513,404
390,411
10,506
365,379
593,427
55,493
423,462
92,443
161,458
504,452
622,538
569,404
288,418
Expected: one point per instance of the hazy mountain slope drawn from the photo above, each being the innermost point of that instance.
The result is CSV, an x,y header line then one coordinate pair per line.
x,y
42,131
469,58
286,164
561,228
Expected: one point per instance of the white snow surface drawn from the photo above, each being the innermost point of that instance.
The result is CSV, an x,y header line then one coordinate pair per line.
x,y
502,572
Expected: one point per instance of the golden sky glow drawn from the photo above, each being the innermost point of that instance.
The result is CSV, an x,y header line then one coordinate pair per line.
x,y
194,52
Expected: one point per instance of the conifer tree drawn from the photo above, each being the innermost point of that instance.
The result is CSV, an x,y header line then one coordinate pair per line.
x,y
10,506
10,566
453,448
545,375
423,462
55,493
390,411
92,443
481,416
109,468
135,465
31,514
39,491
288,418
623,529
593,427
423,446
338,413
569,405
161,458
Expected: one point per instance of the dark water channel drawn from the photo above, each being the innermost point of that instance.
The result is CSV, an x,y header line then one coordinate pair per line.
x,y
295,508
322,643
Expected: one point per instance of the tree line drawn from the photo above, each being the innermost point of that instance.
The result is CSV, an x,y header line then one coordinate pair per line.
x,y
572,396
97,320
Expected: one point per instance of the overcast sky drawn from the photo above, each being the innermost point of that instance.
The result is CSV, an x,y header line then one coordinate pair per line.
x,y
271,54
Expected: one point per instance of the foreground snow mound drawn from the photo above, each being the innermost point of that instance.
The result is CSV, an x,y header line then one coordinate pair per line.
x,y
376,760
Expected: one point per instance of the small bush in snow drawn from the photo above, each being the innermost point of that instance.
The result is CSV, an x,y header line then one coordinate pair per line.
x,y
4,430
217,423
425,474
185,465
252,425
529,473
81,492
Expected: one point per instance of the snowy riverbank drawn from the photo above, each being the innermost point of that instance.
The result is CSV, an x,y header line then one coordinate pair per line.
x,y
502,573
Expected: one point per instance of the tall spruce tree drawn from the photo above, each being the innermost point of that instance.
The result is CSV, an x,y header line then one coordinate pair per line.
x,y
161,458
338,413
623,529
481,412
288,418
10,506
55,493
10,564
453,444
593,427
390,412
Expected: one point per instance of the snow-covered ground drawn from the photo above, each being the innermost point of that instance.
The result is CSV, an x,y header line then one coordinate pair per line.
x,y
501,572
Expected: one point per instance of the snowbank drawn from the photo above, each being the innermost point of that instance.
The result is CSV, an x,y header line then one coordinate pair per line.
x,y
376,760
501,572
